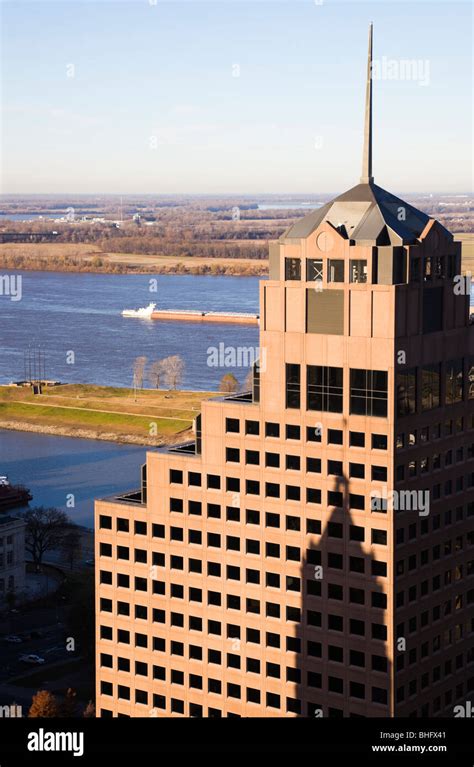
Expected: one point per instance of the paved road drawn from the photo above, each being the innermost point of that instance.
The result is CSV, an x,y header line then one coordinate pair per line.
x,y
51,646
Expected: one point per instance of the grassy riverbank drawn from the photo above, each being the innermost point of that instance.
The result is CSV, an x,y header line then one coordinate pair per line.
x,y
152,417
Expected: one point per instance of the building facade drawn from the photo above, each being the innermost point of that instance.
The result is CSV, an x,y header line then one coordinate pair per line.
x,y
12,559
311,551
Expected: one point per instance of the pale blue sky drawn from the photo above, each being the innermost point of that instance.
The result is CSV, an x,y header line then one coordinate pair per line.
x,y
154,105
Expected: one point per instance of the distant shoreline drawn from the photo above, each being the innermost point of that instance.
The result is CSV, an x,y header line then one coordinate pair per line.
x,y
81,258
63,431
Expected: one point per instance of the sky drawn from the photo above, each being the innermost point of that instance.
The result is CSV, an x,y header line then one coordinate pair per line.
x,y
231,96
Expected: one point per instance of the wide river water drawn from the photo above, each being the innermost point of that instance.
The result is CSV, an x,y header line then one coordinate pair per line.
x,y
55,468
76,320
81,313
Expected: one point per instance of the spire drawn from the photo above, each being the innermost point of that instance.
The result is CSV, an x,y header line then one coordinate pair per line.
x,y
367,177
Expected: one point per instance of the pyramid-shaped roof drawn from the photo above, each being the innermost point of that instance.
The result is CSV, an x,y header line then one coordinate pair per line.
x,y
366,213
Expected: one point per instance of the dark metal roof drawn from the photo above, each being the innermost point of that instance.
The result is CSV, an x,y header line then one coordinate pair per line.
x,y
368,213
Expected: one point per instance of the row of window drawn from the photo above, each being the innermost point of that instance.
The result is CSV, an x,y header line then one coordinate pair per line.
x,y
430,268
447,549
435,462
313,434
312,619
334,269
293,463
423,526
427,380
251,695
368,391
234,543
449,696
312,709
439,611
432,433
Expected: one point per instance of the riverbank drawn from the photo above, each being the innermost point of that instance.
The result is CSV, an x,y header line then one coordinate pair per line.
x,y
151,417
90,258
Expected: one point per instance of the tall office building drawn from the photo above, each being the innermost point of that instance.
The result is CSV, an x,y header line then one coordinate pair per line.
x,y
311,552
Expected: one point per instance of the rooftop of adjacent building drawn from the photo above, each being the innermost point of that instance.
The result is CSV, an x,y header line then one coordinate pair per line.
x,y
9,520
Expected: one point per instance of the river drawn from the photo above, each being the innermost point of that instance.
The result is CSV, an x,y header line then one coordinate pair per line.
x,y
76,319
56,468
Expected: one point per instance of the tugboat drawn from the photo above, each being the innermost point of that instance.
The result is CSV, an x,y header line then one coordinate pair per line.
x,y
12,496
143,313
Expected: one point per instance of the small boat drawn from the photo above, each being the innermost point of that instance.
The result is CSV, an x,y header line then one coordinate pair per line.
x,y
144,312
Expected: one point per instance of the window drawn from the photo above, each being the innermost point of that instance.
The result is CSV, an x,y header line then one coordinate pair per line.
x,y
313,433
454,382
357,470
334,498
272,429
105,550
368,392
194,479
252,487
356,439
379,441
195,507
105,522
357,270
213,510
213,481
293,462
158,531
176,476
232,454
314,270
324,388
406,392
176,504
335,436
232,425
336,270
335,468
272,459
313,495
292,269
293,493
313,465
293,385
430,386
252,427
356,533
292,432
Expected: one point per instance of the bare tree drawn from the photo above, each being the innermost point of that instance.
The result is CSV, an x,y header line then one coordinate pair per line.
x,y
228,383
139,371
45,530
173,368
156,374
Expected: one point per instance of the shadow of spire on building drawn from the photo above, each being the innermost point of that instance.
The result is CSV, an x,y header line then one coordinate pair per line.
x,y
344,669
